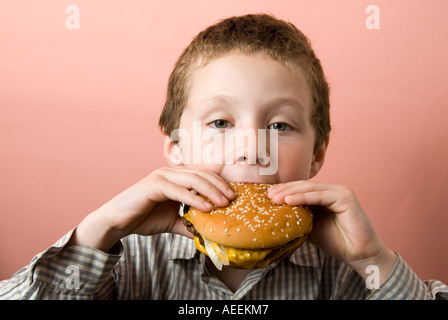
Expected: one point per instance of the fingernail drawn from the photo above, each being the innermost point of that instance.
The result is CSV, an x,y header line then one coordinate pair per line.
x,y
208,205
230,193
277,199
224,200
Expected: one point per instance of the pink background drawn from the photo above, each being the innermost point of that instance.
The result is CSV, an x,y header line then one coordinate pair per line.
x,y
79,110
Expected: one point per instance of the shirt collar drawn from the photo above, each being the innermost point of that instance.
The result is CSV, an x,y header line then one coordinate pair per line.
x,y
184,248
306,255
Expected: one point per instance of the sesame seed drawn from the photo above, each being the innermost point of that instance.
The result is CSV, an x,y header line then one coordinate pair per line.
x,y
287,224
273,233
254,239
211,230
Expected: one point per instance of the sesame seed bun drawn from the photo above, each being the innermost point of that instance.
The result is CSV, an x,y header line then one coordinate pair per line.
x,y
252,222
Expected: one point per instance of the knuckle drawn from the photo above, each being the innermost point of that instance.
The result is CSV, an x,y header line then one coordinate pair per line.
x,y
346,190
192,175
347,194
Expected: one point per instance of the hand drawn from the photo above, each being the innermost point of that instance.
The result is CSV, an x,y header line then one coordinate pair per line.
x,y
151,206
342,228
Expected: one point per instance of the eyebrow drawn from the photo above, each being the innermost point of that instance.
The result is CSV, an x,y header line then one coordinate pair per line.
x,y
287,102
226,99
220,98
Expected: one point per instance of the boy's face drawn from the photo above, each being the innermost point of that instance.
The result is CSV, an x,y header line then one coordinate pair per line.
x,y
234,97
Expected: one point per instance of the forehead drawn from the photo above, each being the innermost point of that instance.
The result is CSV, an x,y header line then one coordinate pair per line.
x,y
254,77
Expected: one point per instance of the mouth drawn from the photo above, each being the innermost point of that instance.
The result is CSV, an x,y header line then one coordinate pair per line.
x,y
250,175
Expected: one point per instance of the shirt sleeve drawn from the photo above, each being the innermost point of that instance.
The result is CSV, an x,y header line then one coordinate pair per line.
x,y
75,272
404,284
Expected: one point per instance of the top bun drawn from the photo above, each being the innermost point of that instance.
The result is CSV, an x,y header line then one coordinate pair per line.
x,y
251,220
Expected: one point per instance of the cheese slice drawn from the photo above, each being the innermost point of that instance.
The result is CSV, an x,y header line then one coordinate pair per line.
x,y
242,258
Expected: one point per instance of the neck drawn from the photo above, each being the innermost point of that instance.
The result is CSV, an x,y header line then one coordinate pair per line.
x,y
231,277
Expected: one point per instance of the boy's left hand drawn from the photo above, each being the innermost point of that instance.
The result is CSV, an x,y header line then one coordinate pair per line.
x,y
342,228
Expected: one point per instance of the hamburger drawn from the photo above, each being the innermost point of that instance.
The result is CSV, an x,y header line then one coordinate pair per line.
x,y
251,231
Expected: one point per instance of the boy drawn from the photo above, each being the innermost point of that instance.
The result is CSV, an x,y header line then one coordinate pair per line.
x,y
249,73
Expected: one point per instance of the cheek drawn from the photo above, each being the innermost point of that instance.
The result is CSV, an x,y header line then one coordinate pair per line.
x,y
199,153
294,162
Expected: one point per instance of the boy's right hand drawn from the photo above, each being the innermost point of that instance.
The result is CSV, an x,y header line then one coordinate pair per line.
x,y
151,206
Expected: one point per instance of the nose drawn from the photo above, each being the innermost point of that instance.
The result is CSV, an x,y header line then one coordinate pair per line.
x,y
262,161
251,147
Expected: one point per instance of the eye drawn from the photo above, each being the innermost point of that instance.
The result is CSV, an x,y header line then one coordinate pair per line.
x,y
220,124
279,126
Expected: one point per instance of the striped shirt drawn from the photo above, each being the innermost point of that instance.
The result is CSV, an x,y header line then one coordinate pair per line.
x,y
168,266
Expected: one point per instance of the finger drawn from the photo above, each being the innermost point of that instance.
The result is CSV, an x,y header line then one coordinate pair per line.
x,y
218,182
204,183
179,193
301,186
278,192
322,199
314,198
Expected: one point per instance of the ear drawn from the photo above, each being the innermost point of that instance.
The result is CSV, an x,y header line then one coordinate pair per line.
x,y
172,152
319,157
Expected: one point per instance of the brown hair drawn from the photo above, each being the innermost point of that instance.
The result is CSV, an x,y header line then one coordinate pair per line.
x,y
280,40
